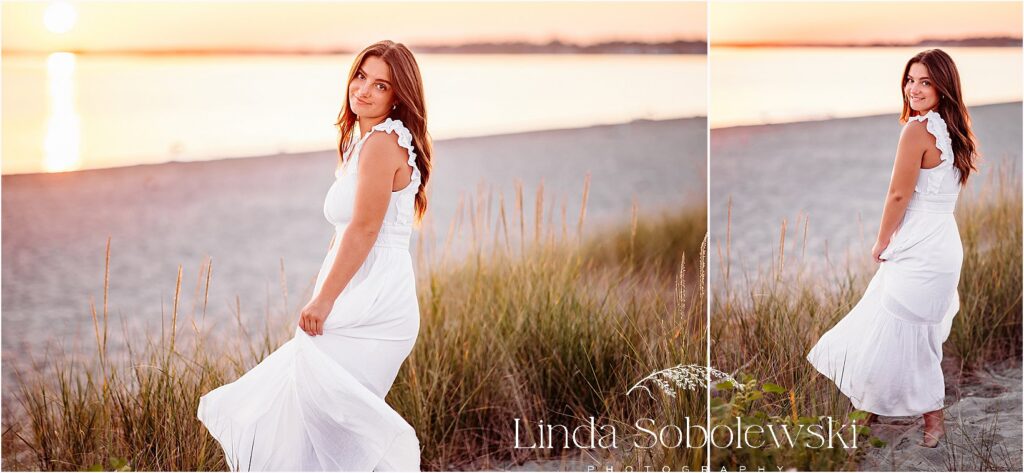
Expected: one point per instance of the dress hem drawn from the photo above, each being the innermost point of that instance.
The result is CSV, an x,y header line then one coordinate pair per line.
x,y
859,406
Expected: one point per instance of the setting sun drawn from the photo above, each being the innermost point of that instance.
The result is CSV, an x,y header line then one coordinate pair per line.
x,y
60,17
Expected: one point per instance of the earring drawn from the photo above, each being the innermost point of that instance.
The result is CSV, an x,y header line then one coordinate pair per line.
x,y
394,106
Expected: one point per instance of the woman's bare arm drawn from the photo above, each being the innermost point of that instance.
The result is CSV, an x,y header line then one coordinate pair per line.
x,y
380,158
914,141
379,161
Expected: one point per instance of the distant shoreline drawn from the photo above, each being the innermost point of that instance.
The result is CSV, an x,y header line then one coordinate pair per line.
x,y
679,46
511,47
991,42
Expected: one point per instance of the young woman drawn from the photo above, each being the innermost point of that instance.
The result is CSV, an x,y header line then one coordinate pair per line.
x,y
885,354
317,403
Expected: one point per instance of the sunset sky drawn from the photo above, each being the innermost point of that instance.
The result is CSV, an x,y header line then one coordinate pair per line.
x,y
862,22
309,25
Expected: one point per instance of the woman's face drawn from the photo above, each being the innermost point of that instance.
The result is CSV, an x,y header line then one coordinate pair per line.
x,y
920,89
370,94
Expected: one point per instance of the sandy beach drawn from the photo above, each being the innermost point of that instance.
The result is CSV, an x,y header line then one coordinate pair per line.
x,y
253,215
983,427
835,173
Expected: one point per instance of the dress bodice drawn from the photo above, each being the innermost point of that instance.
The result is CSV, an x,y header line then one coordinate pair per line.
x,y
340,201
937,188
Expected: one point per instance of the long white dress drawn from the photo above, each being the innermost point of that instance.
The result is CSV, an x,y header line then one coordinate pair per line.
x,y
885,354
317,403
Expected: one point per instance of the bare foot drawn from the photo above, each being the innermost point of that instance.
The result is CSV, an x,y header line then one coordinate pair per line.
x,y
934,429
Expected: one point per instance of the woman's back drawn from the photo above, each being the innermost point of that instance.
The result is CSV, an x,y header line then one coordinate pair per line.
x,y
944,178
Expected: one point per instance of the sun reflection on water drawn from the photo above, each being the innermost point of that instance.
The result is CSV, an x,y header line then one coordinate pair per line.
x,y
63,129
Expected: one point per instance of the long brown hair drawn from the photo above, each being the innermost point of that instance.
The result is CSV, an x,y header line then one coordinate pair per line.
x,y
410,108
951,108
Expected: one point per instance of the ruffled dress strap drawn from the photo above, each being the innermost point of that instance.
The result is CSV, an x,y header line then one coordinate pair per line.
x,y
404,140
936,126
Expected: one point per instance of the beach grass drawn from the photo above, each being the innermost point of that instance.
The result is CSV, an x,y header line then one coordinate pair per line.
x,y
764,327
555,331
651,244
988,327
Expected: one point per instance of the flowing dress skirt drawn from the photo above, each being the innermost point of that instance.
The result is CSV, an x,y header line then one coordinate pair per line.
x,y
885,354
317,403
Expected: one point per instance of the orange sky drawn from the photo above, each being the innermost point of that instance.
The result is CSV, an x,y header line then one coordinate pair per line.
x,y
848,22
313,25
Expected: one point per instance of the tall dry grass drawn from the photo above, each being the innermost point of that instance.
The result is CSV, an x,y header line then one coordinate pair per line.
x,y
552,326
988,326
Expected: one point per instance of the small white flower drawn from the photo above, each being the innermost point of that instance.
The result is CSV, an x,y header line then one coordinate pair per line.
x,y
687,377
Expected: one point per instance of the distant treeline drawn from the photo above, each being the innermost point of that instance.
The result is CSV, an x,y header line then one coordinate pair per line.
x,y
559,47
994,41
1000,41
514,47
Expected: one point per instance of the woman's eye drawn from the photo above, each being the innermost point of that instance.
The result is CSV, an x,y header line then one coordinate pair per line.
x,y
359,75
926,83
381,87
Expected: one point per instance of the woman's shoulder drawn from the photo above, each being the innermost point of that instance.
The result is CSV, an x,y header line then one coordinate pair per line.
x,y
383,145
915,132
392,138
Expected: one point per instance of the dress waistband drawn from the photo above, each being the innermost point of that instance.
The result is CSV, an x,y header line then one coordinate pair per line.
x,y
933,203
390,235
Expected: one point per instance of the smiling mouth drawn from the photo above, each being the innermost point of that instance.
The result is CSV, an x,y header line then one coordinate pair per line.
x,y
360,101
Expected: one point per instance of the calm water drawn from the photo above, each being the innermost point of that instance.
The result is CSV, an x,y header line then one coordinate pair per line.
x,y
773,85
65,112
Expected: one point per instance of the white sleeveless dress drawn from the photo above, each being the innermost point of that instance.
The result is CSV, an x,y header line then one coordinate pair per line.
x,y
317,403
885,354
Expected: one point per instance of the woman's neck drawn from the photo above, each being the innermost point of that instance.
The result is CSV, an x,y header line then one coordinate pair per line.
x,y
365,124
